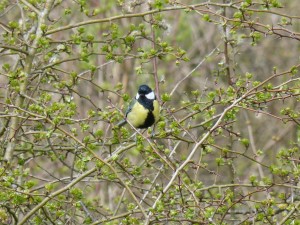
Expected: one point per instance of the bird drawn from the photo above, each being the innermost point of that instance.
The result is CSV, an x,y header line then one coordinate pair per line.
x,y
143,111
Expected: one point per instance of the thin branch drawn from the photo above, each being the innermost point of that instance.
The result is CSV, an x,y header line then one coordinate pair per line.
x,y
193,70
123,16
54,194
252,143
154,60
296,207
32,7
6,47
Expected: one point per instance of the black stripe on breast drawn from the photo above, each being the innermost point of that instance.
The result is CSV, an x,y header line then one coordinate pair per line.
x,y
149,120
147,103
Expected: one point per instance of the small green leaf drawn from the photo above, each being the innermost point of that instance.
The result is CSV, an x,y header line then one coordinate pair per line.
x,y
76,193
245,142
165,97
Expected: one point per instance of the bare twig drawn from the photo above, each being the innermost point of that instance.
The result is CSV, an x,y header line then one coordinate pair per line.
x,y
193,70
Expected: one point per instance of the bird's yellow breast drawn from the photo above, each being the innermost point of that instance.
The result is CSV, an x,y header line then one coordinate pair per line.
x,y
138,114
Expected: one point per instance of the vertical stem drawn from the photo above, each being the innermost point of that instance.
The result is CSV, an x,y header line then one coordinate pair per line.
x,y
252,144
155,62
226,50
229,81
15,121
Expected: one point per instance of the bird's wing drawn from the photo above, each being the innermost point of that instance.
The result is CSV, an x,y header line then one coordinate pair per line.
x,y
123,122
130,106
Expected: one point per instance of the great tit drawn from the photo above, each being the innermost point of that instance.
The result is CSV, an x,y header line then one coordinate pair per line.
x,y
143,111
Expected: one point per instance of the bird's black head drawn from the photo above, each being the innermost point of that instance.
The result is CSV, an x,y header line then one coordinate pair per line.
x,y
144,90
145,93
145,96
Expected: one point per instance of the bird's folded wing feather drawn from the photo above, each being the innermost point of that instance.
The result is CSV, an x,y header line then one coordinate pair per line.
x,y
130,106
123,122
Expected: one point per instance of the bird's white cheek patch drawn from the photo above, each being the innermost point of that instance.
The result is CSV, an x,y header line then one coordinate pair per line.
x,y
137,96
151,95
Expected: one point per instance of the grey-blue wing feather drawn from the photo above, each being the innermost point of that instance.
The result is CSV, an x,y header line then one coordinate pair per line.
x,y
130,106
123,122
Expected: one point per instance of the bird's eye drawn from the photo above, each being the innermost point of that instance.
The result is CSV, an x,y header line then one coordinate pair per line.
x,y
151,95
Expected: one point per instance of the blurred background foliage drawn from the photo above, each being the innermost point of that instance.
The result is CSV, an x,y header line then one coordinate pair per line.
x,y
226,148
